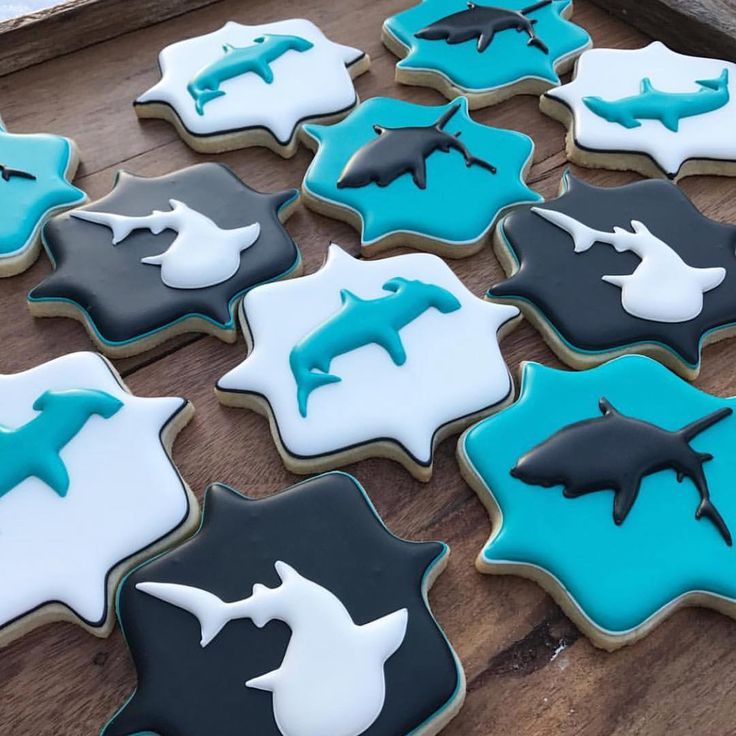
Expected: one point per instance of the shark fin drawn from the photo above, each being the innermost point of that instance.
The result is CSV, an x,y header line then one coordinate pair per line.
x,y
709,278
606,407
671,120
267,682
154,260
387,633
307,383
646,86
52,471
347,297
227,48
391,343
717,83
710,512
379,129
626,495
206,96
211,612
617,280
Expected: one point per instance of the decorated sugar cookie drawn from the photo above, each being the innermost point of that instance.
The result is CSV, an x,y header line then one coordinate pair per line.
x,y
637,268
35,182
613,488
188,245
406,174
488,51
347,362
650,110
87,487
297,614
253,85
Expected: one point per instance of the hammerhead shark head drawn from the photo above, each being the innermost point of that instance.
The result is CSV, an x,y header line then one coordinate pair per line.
x,y
667,107
663,288
616,452
362,322
256,58
398,151
484,22
202,254
331,680
33,449
6,172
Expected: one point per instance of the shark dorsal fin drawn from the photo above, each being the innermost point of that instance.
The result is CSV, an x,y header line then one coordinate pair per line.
x,y
228,47
379,129
347,297
646,85
606,407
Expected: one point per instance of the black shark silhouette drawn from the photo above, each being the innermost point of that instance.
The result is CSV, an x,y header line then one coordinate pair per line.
x,y
6,172
616,452
400,150
484,22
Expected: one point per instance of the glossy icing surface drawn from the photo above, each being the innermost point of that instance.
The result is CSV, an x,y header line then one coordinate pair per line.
x,y
371,400
304,82
601,289
507,59
688,113
618,575
27,202
63,545
460,199
197,242
337,641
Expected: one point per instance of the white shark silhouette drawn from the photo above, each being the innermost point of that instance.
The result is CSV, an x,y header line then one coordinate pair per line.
x,y
202,254
662,288
331,680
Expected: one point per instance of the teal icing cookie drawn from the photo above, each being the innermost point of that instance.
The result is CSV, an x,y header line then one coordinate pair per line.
x,y
489,51
426,177
35,175
580,477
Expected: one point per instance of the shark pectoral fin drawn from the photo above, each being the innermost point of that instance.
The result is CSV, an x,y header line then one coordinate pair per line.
x,y
154,260
671,120
52,471
709,278
267,682
617,280
391,343
419,174
263,70
626,495
484,40
387,632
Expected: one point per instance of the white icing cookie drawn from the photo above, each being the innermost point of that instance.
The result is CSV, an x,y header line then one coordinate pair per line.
x,y
246,86
87,490
363,359
650,110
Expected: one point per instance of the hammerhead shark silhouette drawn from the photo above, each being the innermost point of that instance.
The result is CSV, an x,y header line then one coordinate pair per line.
x,y
202,254
362,322
616,452
256,58
33,449
484,22
663,288
400,150
331,680
667,107
6,172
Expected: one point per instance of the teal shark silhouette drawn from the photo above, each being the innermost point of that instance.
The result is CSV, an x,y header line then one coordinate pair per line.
x,y
362,322
33,449
667,107
240,60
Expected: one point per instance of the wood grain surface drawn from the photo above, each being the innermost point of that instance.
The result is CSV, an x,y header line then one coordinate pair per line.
x,y
702,27
529,672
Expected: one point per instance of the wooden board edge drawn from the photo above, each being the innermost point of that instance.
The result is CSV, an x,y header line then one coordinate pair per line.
x,y
75,24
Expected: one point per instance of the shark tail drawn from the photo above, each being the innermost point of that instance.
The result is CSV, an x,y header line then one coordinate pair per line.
x,y
308,382
203,96
710,512
718,83
211,612
700,425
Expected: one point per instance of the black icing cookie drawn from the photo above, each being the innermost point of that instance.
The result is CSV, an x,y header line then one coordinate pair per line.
x,y
603,271
165,255
325,605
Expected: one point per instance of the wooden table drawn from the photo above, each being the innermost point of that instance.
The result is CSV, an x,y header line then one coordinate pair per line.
x,y
528,669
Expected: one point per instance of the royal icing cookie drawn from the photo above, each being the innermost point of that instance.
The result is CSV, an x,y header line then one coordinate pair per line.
x,y
188,245
650,110
488,52
613,488
87,489
356,361
355,650
35,183
405,174
253,85
604,271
